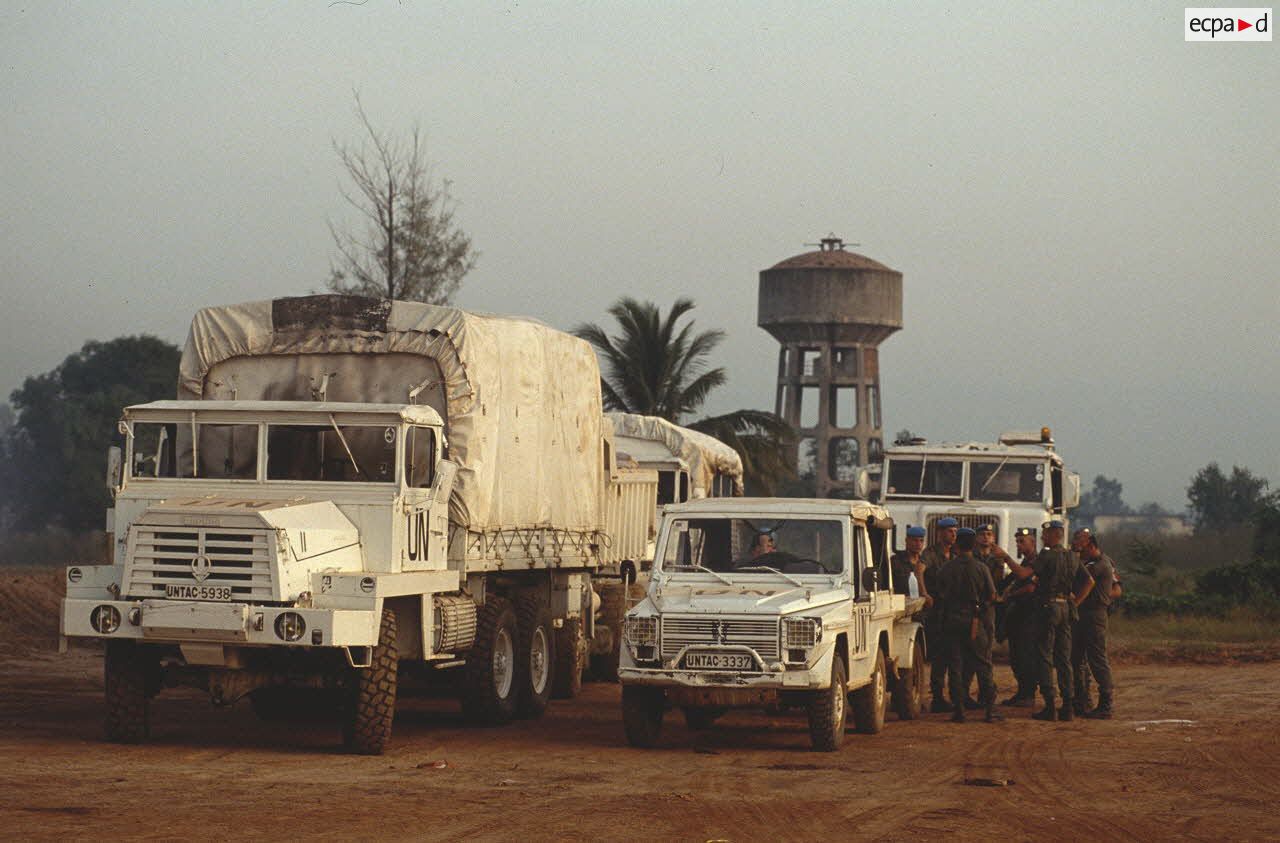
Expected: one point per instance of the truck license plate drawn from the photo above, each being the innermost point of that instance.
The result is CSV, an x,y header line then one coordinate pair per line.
x,y
718,661
198,592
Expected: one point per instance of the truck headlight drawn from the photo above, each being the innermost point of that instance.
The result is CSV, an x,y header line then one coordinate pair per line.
x,y
105,619
290,626
641,631
799,635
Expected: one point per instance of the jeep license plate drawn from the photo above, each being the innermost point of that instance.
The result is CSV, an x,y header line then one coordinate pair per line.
x,y
198,592
719,661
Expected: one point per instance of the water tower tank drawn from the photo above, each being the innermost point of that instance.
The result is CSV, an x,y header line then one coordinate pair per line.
x,y
830,310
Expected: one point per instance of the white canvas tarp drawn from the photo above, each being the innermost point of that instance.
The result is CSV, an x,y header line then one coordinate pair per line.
x,y
520,400
704,455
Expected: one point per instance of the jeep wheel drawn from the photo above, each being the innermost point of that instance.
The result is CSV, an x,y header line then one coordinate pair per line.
x,y
908,693
827,711
373,694
869,700
125,674
699,717
567,681
535,656
489,691
642,710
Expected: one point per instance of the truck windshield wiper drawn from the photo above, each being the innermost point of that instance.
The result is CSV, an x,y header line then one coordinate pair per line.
x,y
345,446
701,568
993,475
786,577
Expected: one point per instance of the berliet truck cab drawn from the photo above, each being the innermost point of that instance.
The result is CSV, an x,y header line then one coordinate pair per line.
x,y
772,603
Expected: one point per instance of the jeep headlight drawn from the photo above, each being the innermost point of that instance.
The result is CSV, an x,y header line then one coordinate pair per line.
x,y
641,631
799,635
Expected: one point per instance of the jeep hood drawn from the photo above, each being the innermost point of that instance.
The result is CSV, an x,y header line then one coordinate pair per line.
x,y
760,595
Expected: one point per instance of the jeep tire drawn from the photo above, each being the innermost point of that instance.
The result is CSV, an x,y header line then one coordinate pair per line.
x,y
908,691
827,709
869,700
642,710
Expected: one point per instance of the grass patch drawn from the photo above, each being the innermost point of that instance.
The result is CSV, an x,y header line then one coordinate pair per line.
x,y
1241,634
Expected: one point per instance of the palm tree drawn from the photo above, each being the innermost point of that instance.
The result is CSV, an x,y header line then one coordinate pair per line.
x,y
655,367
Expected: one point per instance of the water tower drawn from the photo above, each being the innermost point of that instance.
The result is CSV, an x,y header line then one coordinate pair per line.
x,y
831,309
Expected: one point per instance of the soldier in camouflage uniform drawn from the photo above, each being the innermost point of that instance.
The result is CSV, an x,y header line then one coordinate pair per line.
x,y
933,558
966,593
1062,583
1089,638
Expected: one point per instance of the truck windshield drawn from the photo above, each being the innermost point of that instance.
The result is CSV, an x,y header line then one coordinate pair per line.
x,y
923,476
222,452
342,453
737,545
1006,481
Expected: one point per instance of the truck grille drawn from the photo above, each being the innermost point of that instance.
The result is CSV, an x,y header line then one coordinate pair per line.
x,y
239,559
969,520
759,634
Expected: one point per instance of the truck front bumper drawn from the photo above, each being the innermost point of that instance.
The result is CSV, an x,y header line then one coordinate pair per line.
x,y
176,622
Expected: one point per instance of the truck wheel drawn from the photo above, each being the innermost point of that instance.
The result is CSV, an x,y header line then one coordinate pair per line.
x,y
535,657
908,693
869,700
827,711
125,674
613,607
701,717
642,709
567,681
489,692
373,694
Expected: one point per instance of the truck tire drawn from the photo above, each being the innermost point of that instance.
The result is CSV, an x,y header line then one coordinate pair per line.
x,y
613,608
827,709
642,710
567,682
126,669
699,717
489,690
869,700
373,694
908,692
535,657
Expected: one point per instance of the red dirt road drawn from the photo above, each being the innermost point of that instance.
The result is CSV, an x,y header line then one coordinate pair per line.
x,y
220,773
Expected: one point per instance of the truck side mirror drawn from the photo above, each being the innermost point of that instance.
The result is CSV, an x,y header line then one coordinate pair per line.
x,y
1072,492
870,579
115,462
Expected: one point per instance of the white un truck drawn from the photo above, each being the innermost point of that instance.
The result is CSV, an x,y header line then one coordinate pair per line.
x,y
1018,481
776,603
348,486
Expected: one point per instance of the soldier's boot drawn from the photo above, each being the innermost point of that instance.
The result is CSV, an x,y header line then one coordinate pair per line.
x,y
957,713
1080,707
993,716
1065,712
1103,711
1047,713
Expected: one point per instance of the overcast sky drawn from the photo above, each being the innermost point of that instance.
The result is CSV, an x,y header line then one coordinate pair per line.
x,y
1085,208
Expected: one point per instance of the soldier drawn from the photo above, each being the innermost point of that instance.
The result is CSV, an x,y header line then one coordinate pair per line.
x,y
933,558
1082,677
1061,584
1020,627
966,592
1089,639
992,555
906,563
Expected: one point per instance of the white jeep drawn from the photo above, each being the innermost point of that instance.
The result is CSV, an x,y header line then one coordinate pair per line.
x,y
807,620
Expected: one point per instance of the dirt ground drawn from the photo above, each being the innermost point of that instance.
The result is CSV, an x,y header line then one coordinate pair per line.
x,y
221,773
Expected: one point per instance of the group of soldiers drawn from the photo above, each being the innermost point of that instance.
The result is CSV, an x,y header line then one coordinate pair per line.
x,y
1051,605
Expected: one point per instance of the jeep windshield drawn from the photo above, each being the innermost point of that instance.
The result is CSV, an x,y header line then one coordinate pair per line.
x,y
324,452
722,546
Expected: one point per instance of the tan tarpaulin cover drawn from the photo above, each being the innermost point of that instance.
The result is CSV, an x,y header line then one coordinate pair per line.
x,y
705,455
521,400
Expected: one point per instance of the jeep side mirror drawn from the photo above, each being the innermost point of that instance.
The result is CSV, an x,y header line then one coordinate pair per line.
x,y
870,579
115,462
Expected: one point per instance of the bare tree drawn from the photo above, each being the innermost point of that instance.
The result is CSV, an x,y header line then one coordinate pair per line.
x,y
406,245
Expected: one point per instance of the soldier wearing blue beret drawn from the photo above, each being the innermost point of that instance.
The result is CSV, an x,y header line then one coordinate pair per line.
x,y
933,558
966,592
907,565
